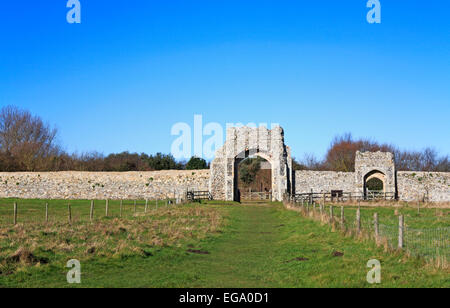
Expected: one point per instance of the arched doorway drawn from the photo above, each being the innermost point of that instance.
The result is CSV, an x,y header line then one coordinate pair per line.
x,y
374,184
252,177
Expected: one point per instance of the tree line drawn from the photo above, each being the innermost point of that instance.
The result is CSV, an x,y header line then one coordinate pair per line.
x,y
341,153
27,143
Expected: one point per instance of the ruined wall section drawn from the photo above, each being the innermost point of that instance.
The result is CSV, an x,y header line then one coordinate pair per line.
x,y
101,185
323,181
423,186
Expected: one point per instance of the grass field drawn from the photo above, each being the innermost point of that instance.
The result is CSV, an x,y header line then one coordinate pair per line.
x,y
33,211
426,231
426,218
208,245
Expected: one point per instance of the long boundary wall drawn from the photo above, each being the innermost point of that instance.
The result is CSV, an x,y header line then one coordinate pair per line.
x,y
101,185
411,186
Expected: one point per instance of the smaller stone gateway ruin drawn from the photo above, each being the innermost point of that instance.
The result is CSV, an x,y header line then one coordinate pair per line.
x,y
221,180
368,166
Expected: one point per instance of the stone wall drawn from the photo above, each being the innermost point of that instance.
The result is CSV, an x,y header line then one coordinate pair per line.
x,y
411,185
323,181
430,186
101,185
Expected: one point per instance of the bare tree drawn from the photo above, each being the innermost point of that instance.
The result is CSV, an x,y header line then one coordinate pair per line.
x,y
341,156
26,139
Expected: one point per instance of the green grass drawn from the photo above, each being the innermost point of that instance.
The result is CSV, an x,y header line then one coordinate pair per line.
x,y
388,215
252,246
33,210
426,233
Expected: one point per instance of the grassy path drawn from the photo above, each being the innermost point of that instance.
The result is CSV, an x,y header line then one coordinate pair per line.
x,y
245,257
260,246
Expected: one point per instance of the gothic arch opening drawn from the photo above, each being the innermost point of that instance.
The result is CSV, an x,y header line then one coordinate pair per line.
x,y
374,183
252,177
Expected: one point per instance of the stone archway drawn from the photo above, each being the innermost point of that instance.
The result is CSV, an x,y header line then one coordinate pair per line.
x,y
372,175
241,158
375,165
242,142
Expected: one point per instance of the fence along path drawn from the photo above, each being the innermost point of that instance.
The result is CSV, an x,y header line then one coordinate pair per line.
x,y
391,229
52,211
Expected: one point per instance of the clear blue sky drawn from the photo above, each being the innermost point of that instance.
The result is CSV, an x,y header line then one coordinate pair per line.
x,y
120,79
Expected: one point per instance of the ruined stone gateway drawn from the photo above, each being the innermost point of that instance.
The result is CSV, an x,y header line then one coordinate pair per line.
x,y
242,143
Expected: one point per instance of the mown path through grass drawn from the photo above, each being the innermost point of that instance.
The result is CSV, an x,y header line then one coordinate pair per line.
x,y
246,256
259,246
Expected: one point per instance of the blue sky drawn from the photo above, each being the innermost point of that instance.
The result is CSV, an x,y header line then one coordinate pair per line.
x,y
132,69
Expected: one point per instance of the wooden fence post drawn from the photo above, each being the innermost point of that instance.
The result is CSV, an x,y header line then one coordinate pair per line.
x,y
107,207
400,231
331,214
91,213
46,212
376,225
146,205
15,213
342,217
120,210
69,209
358,220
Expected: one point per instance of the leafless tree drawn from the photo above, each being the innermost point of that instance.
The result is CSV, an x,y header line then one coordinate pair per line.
x,y
26,139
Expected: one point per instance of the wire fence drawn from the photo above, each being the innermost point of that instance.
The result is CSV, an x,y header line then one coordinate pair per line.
x,y
390,228
27,212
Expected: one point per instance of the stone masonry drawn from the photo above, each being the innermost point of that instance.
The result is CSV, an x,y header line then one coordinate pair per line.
x,y
101,185
374,164
408,186
243,142
323,181
423,186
